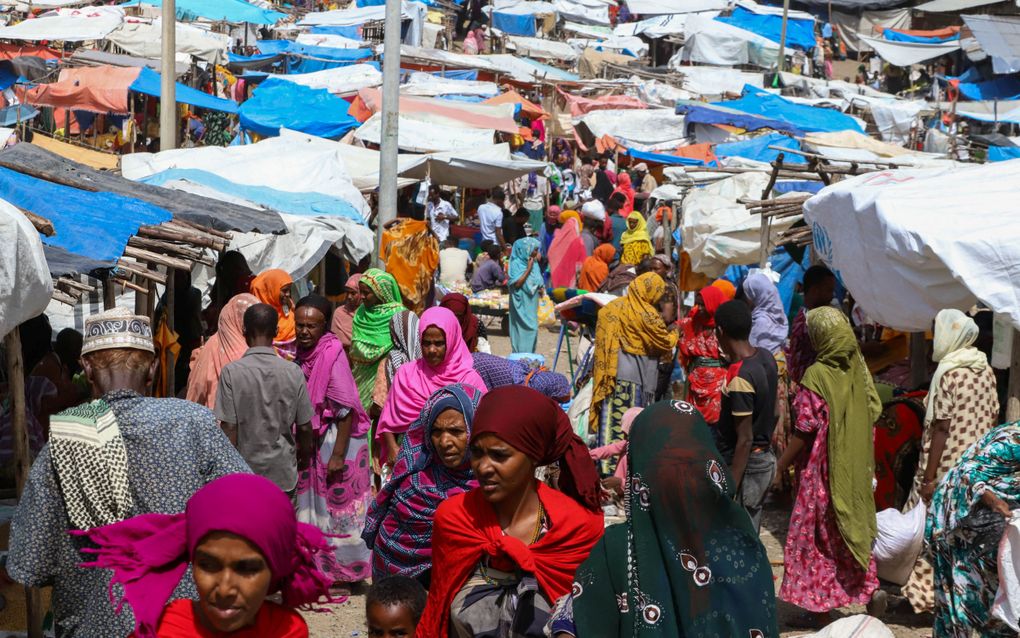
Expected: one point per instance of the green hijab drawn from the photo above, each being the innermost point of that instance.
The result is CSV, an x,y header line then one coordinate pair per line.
x,y
840,376
371,337
687,562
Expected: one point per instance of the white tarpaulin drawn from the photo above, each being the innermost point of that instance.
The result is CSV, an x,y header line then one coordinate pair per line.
x,y
313,165
714,80
329,40
655,93
542,48
645,127
344,79
718,231
70,25
427,85
420,133
363,166
485,167
849,25
908,53
708,41
666,7
895,120
1000,38
908,243
145,40
25,284
584,11
413,11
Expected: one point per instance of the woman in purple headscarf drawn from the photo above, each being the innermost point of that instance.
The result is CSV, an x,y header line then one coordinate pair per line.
x,y
334,491
244,543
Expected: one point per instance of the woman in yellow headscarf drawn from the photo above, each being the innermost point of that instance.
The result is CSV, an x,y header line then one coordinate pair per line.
x,y
635,240
631,335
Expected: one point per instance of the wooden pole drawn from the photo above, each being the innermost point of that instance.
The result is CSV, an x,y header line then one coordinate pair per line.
x,y
109,293
22,457
918,360
168,308
1013,391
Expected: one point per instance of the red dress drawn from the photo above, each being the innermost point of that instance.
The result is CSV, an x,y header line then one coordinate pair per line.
x,y
179,620
706,376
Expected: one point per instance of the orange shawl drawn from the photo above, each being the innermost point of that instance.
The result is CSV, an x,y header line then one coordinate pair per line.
x,y
596,268
267,287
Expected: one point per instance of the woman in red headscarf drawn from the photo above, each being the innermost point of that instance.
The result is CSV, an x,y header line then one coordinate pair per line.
x,y
624,186
470,328
699,354
513,533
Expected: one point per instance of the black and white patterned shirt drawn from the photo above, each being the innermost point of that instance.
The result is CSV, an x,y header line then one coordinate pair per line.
x,y
174,447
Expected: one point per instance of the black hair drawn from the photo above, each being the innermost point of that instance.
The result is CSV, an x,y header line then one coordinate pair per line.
x,y
434,188
398,590
497,194
620,198
734,319
260,321
68,347
495,251
646,265
318,302
815,275
36,340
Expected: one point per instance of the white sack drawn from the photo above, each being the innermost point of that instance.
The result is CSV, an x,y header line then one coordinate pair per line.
x,y
1007,600
898,542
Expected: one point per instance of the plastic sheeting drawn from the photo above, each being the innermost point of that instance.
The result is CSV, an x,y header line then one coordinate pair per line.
x,y
25,284
850,25
701,113
329,40
499,117
280,104
342,79
806,118
1003,153
514,24
146,40
999,36
92,89
908,53
69,25
800,33
1001,88
708,41
895,35
150,83
637,127
429,85
713,80
542,48
895,120
665,7
413,11
485,167
663,158
757,148
236,11
420,133
906,243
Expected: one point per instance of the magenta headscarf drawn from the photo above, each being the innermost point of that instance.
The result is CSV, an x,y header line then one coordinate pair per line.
x,y
150,553
415,381
329,377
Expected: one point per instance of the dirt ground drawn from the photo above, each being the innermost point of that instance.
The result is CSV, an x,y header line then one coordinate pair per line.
x,y
347,620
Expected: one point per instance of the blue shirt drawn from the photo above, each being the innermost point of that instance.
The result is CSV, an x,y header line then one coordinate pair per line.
x,y
488,275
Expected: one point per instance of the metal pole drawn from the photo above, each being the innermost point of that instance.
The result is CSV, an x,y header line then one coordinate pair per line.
x,y
387,210
781,59
168,88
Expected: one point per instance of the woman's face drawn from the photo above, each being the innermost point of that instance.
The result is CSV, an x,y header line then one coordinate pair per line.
x,y
232,578
285,301
309,326
433,346
353,299
503,472
367,296
632,223
450,438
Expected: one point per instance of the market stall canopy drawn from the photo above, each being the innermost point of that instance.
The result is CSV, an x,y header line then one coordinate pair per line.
x,y
709,41
80,154
145,39
999,36
67,25
666,7
420,84
947,6
413,11
485,167
715,80
764,21
806,118
278,104
640,128
91,57
344,79
25,283
314,166
499,117
422,133
197,210
849,25
542,48
908,53
235,11
907,243
529,109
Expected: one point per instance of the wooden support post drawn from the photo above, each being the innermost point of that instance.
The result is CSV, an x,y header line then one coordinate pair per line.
x,y
918,360
141,299
109,293
168,308
22,457
1013,391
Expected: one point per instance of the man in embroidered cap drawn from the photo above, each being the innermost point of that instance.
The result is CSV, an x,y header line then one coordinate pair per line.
x,y
121,455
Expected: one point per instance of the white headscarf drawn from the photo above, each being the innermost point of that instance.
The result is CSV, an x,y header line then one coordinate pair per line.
x,y
955,333
594,210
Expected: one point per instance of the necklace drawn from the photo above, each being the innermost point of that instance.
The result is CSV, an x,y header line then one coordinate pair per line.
x,y
534,539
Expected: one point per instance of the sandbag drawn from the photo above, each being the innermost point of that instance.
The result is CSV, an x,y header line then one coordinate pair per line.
x,y
1007,600
898,543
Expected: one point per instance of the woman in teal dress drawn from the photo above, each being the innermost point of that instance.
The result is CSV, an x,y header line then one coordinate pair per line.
x,y
525,282
969,512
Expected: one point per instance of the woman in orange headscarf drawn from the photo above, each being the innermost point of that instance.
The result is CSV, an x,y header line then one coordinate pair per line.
x,y
596,268
273,287
727,288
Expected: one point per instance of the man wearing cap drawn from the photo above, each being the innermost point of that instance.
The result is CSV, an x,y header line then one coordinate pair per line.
x,y
646,183
121,455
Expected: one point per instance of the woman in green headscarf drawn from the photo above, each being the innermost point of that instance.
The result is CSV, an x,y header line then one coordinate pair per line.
x,y
370,339
828,549
687,562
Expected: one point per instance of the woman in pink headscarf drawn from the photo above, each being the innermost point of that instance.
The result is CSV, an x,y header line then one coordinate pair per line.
x,y
343,319
445,360
226,346
567,252
244,543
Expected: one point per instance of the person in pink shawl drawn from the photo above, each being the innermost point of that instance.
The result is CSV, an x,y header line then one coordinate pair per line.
x,y
226,346
445,360
343,319
334,493
567,251
240,534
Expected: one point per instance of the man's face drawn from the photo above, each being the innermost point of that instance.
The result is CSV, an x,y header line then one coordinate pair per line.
x,y
309,326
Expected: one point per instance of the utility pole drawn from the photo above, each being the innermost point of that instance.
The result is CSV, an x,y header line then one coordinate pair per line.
x,y
781,58
168,87
387,200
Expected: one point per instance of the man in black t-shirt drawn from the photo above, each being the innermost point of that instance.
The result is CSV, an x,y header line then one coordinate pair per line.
x,y
748,415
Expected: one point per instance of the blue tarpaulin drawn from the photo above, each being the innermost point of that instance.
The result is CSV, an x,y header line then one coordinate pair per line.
x,y
313,204
662,158
8,76
1001,88
800,34
10,115
93,225
352,32
278,103
796,186
701,113
895,36
235,11
148,82
304,58
791,273
514,24
233,57
1003,153
806,118
757,148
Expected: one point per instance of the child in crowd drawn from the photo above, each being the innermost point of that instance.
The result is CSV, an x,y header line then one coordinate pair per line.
x,y
393,607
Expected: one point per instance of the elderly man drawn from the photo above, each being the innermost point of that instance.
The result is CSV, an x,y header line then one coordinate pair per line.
x,y
644,181
119,456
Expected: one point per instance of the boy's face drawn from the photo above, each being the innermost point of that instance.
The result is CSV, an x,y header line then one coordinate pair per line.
x,y
390,621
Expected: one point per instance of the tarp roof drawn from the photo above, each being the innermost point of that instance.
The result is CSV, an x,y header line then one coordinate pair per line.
x,y
1000,88
92,57
702,113
68,25
235,11
485,167
800,33
25,283
528,108
279,104
428,85
419,133
499,117
145,39
666,7
908,53
806,118
342,79
191,208
999,36
757,148
149,83
941,6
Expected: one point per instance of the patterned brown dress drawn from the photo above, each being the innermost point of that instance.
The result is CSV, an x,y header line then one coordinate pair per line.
x,y
969,401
